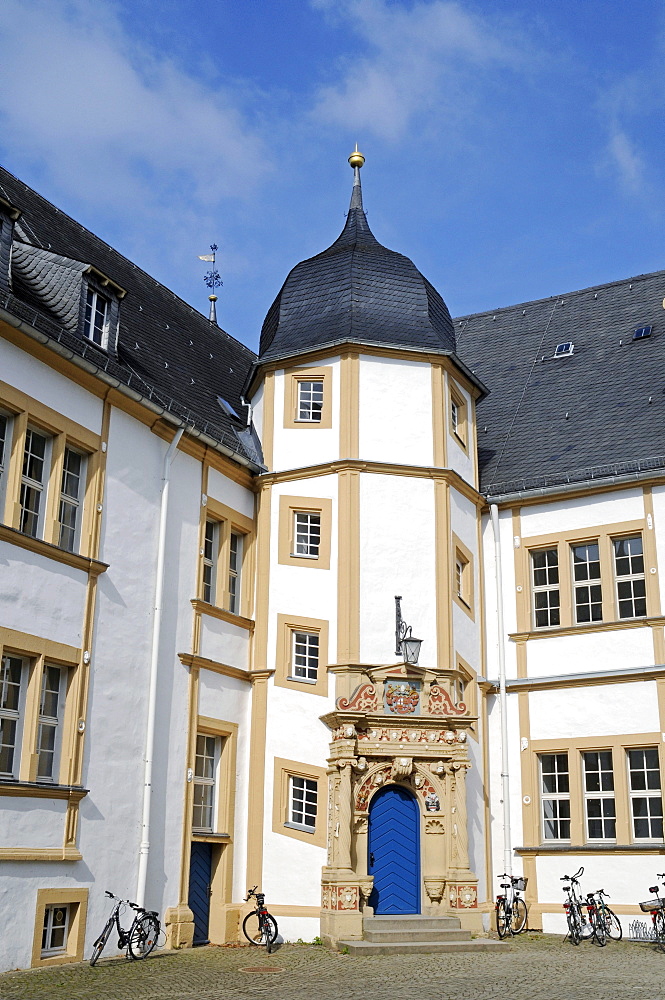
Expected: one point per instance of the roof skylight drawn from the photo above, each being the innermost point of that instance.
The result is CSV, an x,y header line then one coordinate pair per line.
x,y
563,350
642,332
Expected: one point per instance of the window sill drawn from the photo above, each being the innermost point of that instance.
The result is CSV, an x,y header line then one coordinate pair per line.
x,y
41,790
303,680
647,847
612,626
38,545
301,828
201,837
302,555
203,608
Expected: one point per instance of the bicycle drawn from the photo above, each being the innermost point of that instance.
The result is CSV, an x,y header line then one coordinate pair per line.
x,y
578,926
139,939
596,921
656,908
612,923
511,912
259,927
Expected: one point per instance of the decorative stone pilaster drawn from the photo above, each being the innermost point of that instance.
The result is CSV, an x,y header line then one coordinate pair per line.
x,y
462,886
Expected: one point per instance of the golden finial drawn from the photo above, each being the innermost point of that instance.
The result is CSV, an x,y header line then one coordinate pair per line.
x,y
356,159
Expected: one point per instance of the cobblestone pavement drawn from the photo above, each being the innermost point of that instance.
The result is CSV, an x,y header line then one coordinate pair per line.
x,y
530,968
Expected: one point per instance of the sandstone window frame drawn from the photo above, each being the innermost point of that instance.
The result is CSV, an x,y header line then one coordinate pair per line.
x,y
292,379
463,577
77,902
458,418
619,745
284,770
605,536
227,523
287,625
26,415
289,506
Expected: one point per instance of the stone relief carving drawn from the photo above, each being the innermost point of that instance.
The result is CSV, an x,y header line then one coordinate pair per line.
x,y
401,768
363,699
440,702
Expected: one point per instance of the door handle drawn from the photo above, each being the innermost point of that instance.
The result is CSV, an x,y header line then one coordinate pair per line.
x,y
371,860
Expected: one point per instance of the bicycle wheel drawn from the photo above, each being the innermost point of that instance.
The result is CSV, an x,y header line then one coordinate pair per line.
x,y
259,930
599,928
98,946
659,929
519,916
502,918
574,925
612,924
143,936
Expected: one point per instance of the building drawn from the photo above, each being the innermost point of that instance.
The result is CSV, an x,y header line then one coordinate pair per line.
x,y
202,684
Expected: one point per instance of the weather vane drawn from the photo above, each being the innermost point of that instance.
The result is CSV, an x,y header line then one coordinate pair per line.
x,y
212,280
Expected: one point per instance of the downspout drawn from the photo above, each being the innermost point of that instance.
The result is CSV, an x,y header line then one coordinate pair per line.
x,y
144,849
503,701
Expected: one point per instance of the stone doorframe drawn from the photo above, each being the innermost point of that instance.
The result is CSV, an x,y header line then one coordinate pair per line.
x,y
398,726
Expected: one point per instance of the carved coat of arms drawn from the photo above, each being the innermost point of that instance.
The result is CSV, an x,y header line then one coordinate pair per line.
x,y
402,697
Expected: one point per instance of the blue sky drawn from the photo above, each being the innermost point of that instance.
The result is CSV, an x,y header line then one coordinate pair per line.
x,y
514,147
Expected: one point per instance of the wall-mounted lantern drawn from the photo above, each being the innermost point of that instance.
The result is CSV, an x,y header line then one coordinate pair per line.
x,y
406,645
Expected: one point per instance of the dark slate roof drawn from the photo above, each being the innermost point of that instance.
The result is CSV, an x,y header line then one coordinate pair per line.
x,y
597,413
167,351
356,291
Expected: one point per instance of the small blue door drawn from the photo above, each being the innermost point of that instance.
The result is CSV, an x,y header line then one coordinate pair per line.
x,y
200,876
394,851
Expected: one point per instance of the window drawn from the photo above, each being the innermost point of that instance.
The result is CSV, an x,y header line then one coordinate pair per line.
x,y
60,920
642,332
56,926
462,576
51,706
630,581
586,582
645,798
70,499
308,398
210,554
13,683
305,659
305,528
457,415
96,319
205,774
546,595
33,483
600,806
5,451
307,534
299,802
555,796
224,547
235,563
564,350
301,658
302,802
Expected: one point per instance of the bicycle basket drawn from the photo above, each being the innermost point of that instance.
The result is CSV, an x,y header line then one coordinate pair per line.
x,y
520,883
651,904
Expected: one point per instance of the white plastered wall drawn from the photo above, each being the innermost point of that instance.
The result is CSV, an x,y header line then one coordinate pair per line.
x,y
395,411
294,448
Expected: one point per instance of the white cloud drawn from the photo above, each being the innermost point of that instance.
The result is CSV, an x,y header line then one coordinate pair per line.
x,y
424,60
111,121
626,160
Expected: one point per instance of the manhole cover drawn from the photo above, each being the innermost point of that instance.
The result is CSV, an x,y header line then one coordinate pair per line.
x,y
262,968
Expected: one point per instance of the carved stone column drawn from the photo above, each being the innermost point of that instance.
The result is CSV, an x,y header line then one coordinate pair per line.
x,y
344,815
462,888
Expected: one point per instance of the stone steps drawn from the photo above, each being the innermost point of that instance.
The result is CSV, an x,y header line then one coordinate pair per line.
x,y
412,934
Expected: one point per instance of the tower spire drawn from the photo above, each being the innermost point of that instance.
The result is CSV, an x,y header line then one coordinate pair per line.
x,y
356,160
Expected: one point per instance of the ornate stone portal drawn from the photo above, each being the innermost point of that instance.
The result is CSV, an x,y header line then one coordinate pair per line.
x,y
396,725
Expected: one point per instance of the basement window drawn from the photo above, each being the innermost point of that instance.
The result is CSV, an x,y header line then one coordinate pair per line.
x,y
565,349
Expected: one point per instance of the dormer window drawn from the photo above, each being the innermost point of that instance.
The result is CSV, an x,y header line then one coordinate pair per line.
x,y
97,316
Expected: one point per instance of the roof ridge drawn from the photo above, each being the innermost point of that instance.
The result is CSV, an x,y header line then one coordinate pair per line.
x,y
560,295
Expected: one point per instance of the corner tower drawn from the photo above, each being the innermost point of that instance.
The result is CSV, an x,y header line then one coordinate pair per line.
x,y
367,419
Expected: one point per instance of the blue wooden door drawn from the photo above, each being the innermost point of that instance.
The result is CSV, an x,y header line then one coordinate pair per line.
x,y
200,875
394,851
